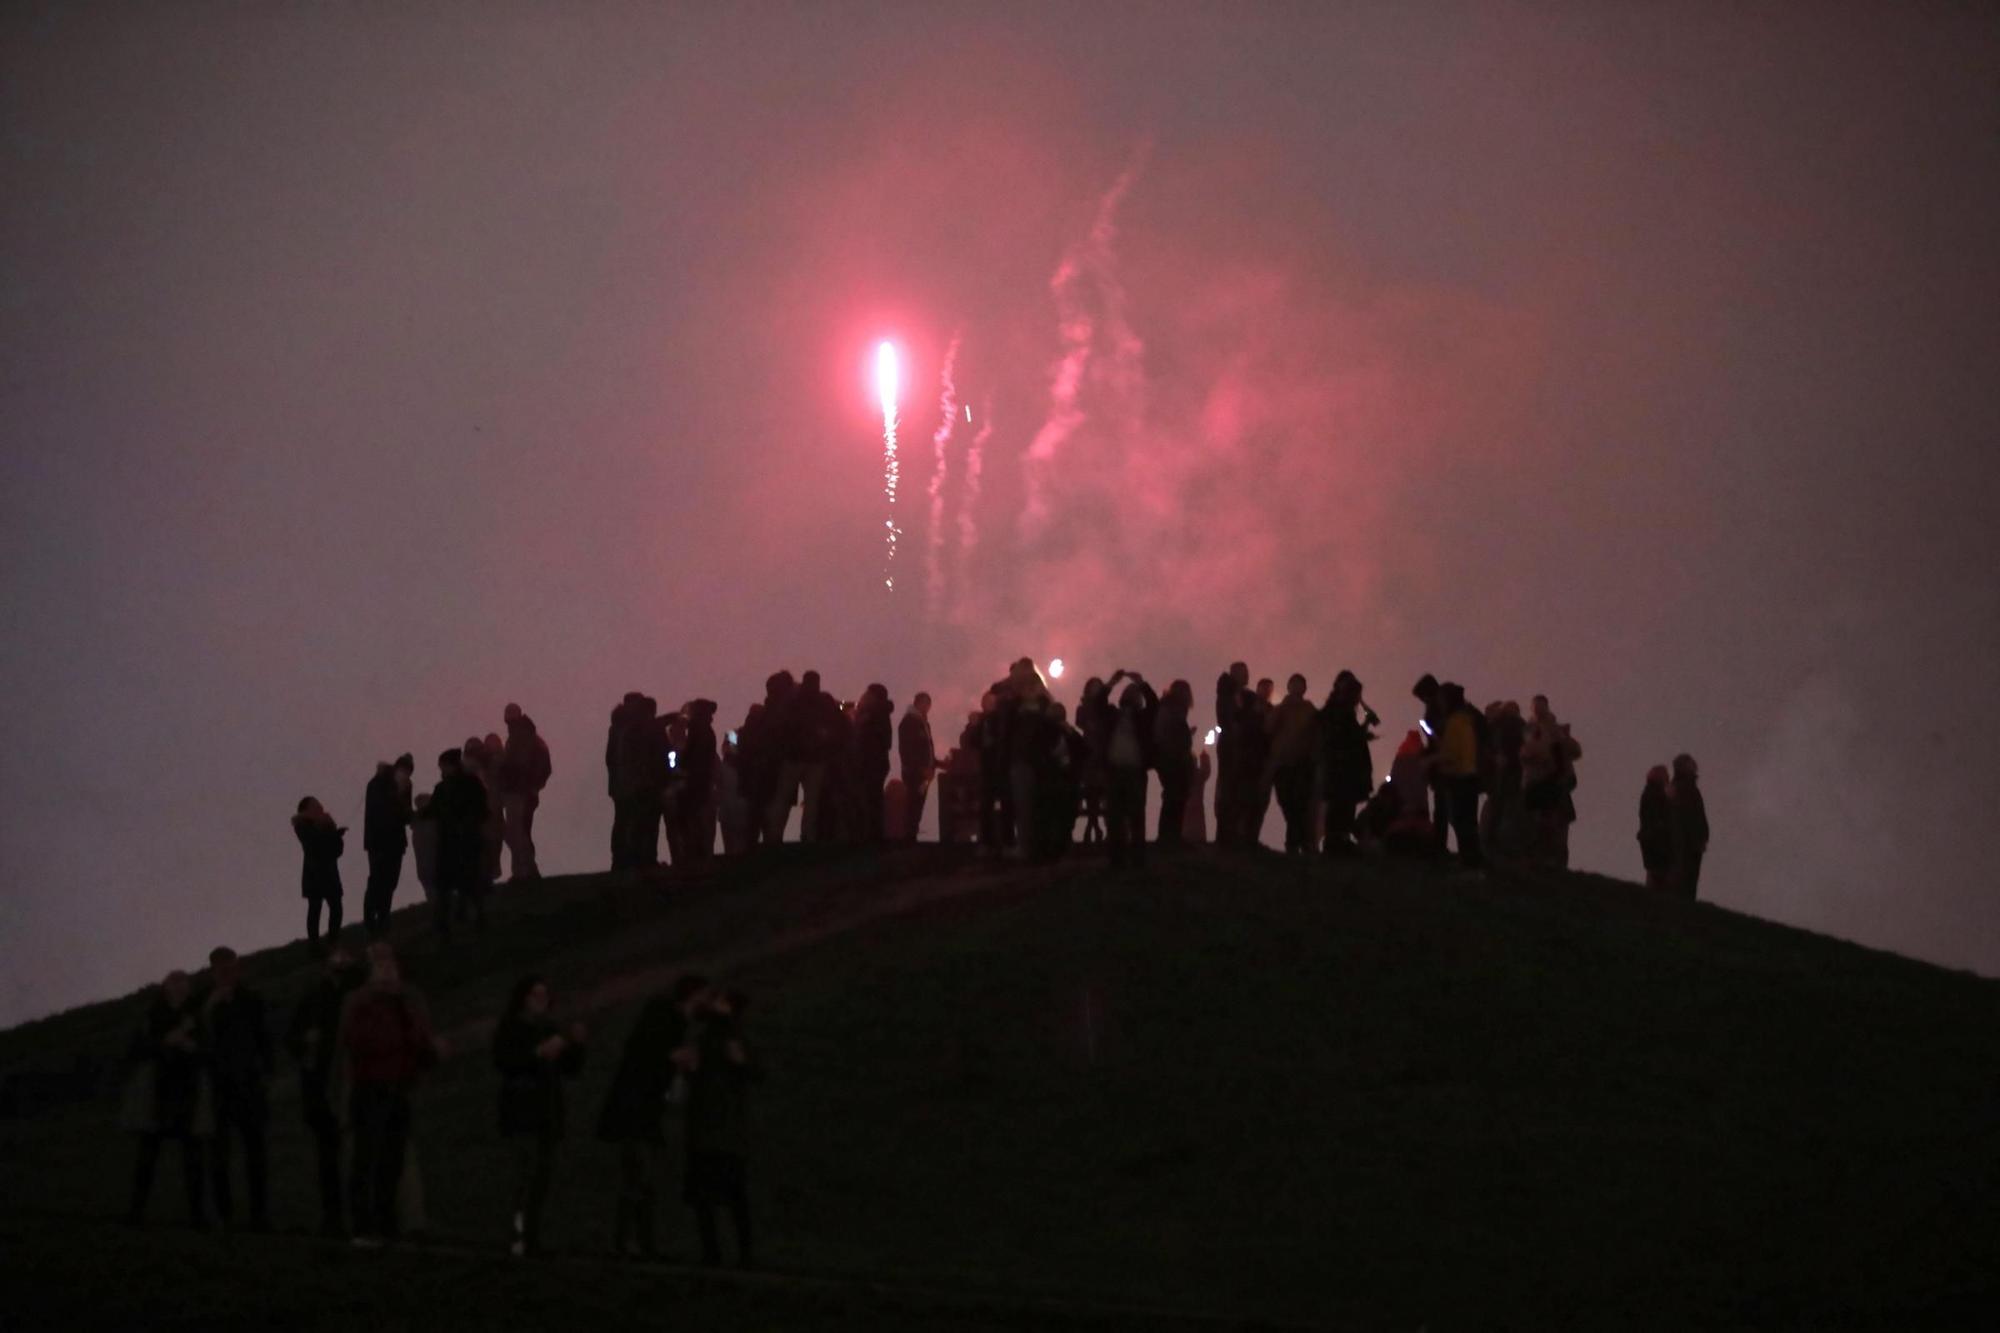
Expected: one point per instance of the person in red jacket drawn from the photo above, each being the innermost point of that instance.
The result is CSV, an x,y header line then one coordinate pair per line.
x,y
387,1044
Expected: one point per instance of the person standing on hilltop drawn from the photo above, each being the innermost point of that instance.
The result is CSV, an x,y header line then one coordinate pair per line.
x,y
1657,830
1293,727
1548,775
874,737
1127,757
1254,753
649,1078
700,773
1194,816
1348,766
916,752
524,771
533,1056
458,805
167,1096
385,822
386,1044
322,841
1232,694
311,1038
238,1039
1173,754
1455,773
1690,826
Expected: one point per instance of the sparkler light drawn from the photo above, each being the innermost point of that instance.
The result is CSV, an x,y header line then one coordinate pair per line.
x,y
888,383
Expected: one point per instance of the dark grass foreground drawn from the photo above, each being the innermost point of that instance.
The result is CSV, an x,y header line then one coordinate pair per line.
x,y
1225,1090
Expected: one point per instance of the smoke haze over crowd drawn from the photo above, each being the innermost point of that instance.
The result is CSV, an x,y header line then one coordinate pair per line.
x,y
368,368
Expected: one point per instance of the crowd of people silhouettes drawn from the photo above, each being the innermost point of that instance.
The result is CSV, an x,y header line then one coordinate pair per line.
x,y
1466,785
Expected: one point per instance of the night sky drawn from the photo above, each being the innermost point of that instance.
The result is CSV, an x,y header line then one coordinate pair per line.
x,y
369,366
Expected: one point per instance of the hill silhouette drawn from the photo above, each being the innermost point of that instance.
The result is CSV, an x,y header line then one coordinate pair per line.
x,y
1229,1088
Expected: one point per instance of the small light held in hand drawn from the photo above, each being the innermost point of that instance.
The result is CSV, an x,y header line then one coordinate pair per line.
x,y
1055,668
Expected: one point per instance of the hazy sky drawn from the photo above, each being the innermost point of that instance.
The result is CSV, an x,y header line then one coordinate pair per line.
x,y
367,366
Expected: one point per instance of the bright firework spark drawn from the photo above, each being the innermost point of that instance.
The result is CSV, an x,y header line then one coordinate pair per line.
x,y
1055,668
887,384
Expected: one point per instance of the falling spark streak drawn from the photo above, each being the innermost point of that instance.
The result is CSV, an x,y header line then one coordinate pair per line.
x,y
887,384
948,418
968,500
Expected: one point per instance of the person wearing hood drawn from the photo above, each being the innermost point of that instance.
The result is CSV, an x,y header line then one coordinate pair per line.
x,y
385,824
322,841
1690,826
167,1095
1344,736
874,737
524,771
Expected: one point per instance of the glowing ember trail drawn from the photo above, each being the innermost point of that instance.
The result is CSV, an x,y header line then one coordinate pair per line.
x,y
940,444
887,384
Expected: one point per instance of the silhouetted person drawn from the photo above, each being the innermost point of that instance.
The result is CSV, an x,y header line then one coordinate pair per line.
x,y
1502,821
1254,753
996,801
732,808
1293,728
524,771
1690,826
809,733
1455,766
1127,757
718,1125
618,781
1027,739
1548,774
651,1069
1407,828
311,1038
167,1095
699,778
322,841
385,822
238,1038
386,1042
916,753
1347,766
1194,814
533,1056
1657,832
458,805
1232,695
874,737
1431,725
1173,755
482,761
1094,715
424,845
759,751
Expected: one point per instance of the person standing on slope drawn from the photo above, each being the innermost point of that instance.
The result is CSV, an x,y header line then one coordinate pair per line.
x,y
533,1056
524,771
385,822
1690,826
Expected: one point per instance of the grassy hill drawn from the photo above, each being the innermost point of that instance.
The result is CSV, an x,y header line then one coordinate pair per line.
x,y
1228,1088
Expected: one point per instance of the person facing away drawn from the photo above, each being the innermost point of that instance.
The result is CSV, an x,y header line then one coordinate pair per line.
x,y
617,780
916,754
1657,830
238,1037
651,1069
1293,728
310,1037
533,1056
720,1071
458,806
386,1045
1548,773
1194,816
524,771
874,737
700,772
1127,757
167,1095
1254,755
424,844
1690,826
1173,754
1344,737
1095,715
385,821
322,841
1455,768
1232,703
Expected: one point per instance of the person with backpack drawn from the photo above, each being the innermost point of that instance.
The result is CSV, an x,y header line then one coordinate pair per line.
x,y
533,1056
649,1078
524,770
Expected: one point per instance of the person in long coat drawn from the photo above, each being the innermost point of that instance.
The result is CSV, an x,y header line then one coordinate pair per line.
x,y
649,1078
533,1055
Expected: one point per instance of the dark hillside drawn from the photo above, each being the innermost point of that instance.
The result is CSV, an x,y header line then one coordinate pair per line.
x,y
1360,1096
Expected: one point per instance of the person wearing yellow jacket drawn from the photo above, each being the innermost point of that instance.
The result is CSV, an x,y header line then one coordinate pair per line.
x,y
1455,766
